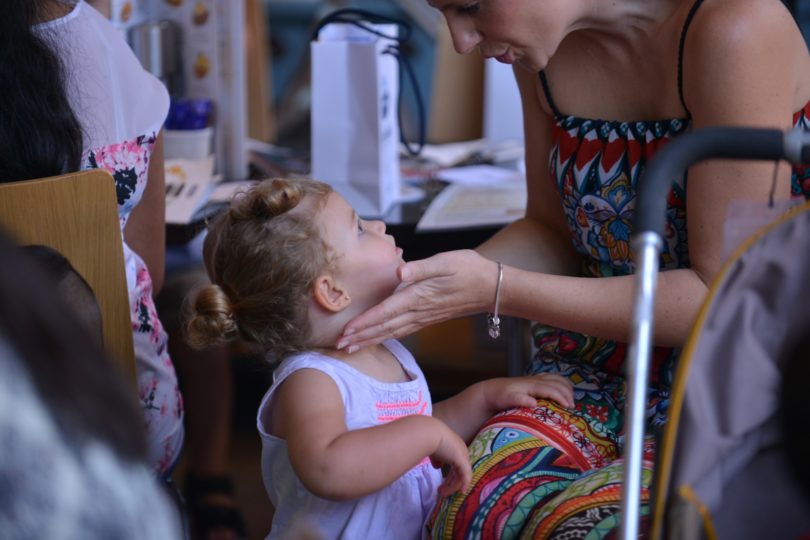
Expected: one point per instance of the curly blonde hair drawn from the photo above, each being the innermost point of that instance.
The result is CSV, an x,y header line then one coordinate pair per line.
x,y
261,256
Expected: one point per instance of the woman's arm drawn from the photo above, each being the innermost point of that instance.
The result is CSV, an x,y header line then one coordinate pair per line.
x,y
730,79
337,464
468,410
145,232
540,241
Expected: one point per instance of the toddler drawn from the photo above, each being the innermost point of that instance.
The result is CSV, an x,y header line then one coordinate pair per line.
x,y
352,444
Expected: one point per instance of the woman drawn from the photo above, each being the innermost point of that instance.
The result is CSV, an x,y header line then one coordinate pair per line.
x,y
603,86
76,97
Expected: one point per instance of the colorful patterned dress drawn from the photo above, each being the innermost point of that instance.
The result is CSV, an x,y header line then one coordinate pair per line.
x,y
551,472
121,109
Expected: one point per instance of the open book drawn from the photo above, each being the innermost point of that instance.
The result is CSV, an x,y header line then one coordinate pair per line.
x,y
189,184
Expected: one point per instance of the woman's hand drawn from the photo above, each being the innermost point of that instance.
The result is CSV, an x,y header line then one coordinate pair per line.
x,y
452,452
505,393
440,288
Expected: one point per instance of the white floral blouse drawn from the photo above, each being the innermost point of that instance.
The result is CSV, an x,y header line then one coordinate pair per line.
x,y
122,108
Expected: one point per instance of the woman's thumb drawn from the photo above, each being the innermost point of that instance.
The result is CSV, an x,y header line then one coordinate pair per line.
x,y
406,272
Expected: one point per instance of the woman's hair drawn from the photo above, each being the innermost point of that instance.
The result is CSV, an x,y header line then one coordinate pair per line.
x,y
87,396
262,256
40,134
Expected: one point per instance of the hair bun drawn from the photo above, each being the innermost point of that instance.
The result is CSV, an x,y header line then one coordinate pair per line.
x,y
267,200
211,319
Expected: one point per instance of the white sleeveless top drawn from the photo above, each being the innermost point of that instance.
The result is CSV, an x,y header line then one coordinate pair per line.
x,y
395,512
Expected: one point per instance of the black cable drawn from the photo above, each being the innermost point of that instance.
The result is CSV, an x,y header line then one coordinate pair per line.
x,y
361,18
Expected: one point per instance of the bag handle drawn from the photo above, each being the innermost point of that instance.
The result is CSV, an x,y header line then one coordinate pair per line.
x,y
360,18
407,68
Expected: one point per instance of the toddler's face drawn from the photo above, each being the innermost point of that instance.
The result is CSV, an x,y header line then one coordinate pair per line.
x,y
367,258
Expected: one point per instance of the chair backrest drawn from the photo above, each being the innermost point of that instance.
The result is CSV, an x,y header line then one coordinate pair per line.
x,y
77,214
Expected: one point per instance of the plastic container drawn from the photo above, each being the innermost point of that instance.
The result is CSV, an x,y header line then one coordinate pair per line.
x,y
191,144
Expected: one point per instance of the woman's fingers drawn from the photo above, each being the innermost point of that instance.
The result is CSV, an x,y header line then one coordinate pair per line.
x,y
393,329
525,391
383,321
441,264
554,387
557,393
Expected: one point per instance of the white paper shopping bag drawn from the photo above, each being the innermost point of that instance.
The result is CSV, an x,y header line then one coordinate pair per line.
x,y
355,125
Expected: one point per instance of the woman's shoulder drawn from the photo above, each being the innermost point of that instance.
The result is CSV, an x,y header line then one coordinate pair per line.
x,y
727,65
729,30
115,98
743,19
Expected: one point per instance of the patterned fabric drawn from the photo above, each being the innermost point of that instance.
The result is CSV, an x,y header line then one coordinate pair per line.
x,y
596,166
128,162
552,473
539,473
800,181
121,108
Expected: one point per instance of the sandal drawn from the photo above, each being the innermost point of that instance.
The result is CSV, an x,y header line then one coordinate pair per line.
x,y
207,515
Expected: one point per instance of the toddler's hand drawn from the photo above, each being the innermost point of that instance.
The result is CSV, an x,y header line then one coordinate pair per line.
x,y
505,393
452,452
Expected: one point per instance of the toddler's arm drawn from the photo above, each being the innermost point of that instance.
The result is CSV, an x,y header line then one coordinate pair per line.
x,y
468,410
335,463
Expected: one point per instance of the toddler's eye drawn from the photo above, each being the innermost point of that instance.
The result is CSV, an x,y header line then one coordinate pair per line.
x,y
360,226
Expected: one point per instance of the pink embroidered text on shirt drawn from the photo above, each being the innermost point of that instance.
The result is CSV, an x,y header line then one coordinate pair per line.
x,y
388,411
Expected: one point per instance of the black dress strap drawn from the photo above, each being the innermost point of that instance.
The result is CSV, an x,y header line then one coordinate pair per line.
x,y
547,93
689,17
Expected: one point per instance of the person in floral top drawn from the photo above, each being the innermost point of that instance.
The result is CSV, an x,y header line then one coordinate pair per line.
x,y
76,97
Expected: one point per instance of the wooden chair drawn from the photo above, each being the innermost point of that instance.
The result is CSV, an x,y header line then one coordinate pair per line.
x,y
77,214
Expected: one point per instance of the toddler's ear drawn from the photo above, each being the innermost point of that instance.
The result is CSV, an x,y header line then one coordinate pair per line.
x,y
329,294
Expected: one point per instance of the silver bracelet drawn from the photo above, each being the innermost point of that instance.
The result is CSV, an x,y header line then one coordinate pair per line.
x,y
493,321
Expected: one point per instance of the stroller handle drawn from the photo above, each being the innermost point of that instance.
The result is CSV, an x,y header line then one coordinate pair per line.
x,y
656,182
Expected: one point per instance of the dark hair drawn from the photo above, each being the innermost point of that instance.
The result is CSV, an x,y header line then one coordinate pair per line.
x,y
40,134
87,396
70,284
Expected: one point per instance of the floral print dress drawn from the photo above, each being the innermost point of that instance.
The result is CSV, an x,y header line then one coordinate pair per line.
x,y
121,109
158,391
